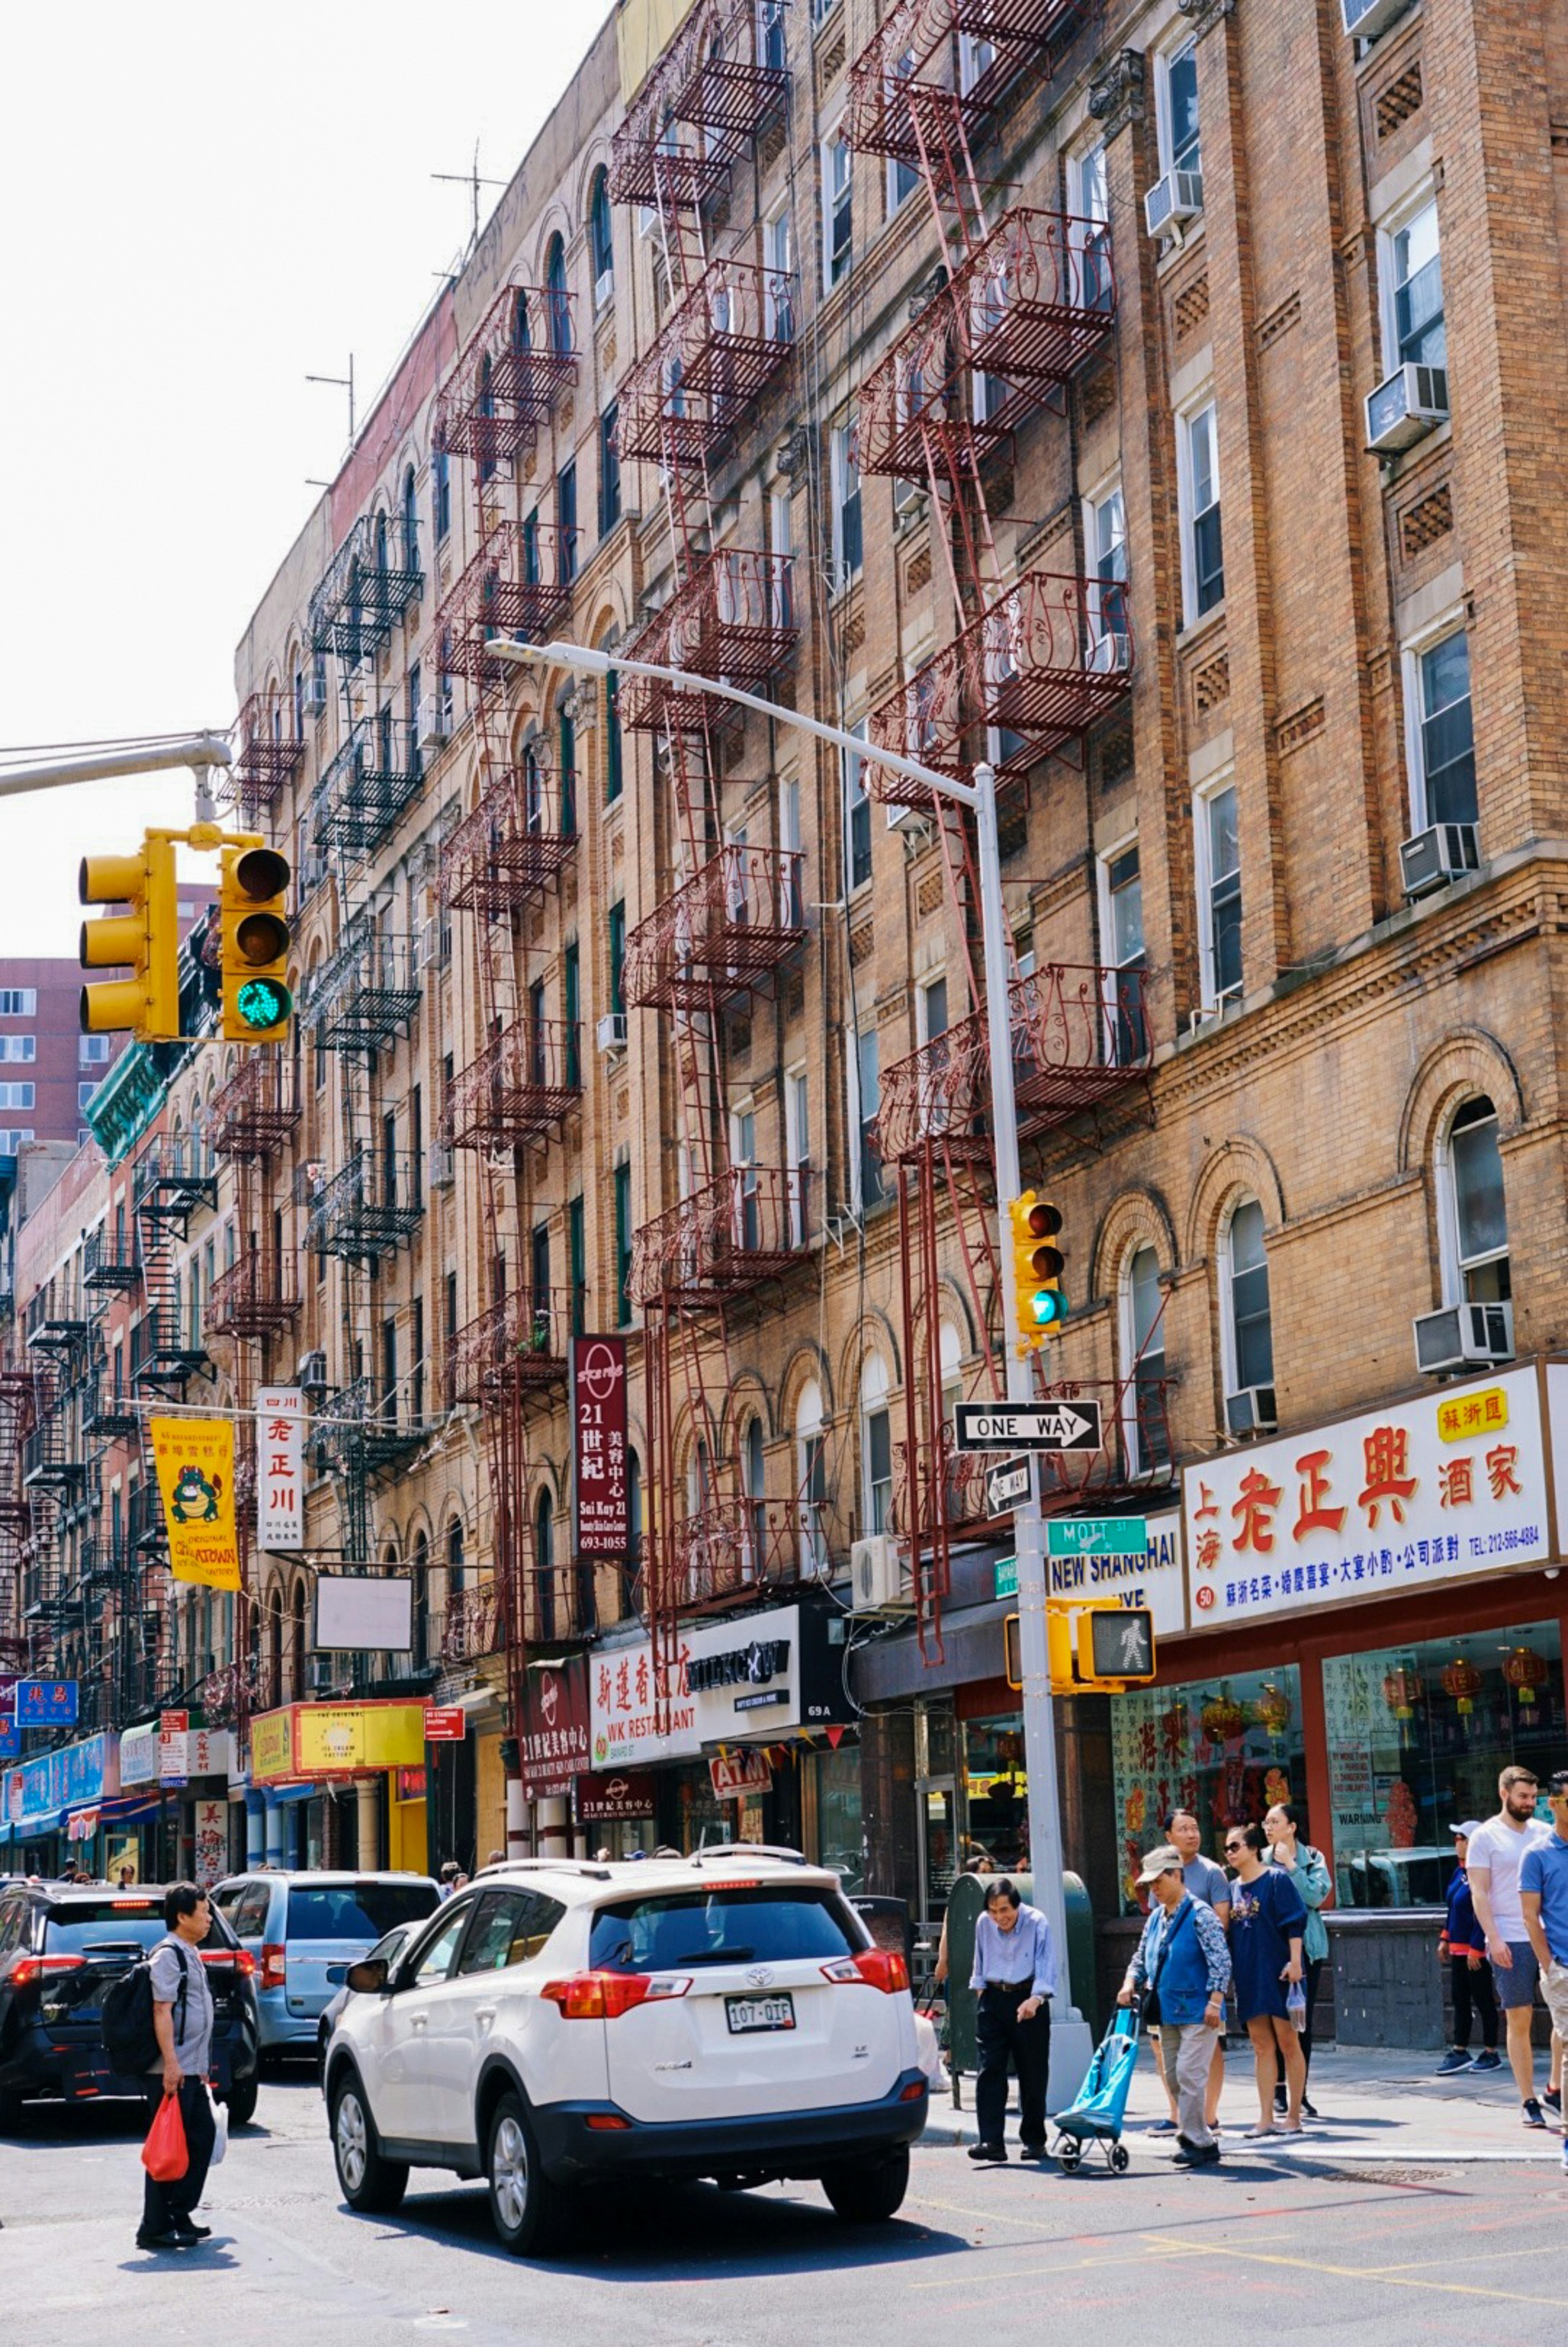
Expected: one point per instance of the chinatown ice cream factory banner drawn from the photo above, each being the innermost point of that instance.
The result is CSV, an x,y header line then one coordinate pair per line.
x,y
195,1461
1449,1487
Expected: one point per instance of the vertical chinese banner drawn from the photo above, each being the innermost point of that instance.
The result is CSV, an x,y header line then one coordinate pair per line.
x,y
280,1467
194,1461
600,1500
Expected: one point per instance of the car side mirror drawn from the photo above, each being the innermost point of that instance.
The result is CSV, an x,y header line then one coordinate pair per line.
x,y
367,1978
336,1975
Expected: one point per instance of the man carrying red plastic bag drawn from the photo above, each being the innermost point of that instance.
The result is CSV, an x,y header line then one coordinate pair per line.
x,y
178,2146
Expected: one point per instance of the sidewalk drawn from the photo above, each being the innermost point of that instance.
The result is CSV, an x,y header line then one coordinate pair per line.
x,y
1378,2108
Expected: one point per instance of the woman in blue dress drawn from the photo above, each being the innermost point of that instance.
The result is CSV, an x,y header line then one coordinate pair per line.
x,y
1269,1924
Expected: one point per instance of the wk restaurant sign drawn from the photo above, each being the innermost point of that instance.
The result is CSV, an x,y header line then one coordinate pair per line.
x,y
1447,1487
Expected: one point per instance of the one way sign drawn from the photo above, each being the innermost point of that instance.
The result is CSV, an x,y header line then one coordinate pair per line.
x,y
1027,1426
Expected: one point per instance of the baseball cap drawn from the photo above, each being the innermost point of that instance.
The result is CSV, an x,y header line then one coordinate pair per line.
x,y
1167,1860
1469,1826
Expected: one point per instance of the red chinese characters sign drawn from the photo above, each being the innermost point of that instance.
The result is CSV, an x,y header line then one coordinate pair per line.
x,y
552,1738
279,1469
601,1496
1445,1487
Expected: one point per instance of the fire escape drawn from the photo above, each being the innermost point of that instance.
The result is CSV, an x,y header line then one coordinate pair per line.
x,y
54,1478
508,1102
269,749
730,913
1023,297
16,1413
117,1582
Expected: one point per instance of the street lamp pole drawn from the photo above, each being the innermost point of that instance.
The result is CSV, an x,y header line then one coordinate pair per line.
x,y
1072,2043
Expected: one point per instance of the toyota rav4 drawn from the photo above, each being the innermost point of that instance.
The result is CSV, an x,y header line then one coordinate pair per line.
x,y
560,2023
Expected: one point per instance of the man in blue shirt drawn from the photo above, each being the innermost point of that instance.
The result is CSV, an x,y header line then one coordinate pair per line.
x,y
1543,1900
1014,1979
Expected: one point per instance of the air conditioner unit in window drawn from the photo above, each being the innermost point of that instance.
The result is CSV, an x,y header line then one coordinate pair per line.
x,y
313,700
913,822
310,1377
1443,852
438,1166
1364,19
1463,1337
610,1033
1251,1411
1404,409
1178,196
878,1576
435,721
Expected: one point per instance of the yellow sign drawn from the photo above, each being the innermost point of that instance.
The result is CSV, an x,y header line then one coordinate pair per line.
x,y
1470,1414
336,1739
195,1461
271,1745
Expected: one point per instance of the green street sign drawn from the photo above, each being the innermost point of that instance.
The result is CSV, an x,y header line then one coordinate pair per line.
x,y
1007,1576
1096,1536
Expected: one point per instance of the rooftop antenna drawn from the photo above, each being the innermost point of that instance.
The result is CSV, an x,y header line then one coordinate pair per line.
x,y
340,383
470,179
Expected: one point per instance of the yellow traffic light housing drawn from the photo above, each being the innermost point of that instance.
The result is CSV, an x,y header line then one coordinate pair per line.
x,y
1040,1307
145,940
257,1003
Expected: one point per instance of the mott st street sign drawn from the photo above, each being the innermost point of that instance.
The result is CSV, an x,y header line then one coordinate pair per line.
x,y
1027,1426
1096,1536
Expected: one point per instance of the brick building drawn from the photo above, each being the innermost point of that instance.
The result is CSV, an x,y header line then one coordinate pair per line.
x,y
1134,395
48,1068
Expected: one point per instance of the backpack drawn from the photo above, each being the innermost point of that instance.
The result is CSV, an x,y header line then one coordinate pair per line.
x,y
124,2017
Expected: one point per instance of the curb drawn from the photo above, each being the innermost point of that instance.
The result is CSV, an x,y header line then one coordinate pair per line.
x,y
945,2135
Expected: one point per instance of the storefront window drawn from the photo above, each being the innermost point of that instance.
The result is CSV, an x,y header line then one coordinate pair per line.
x,y
1227,1748
839,1842
996,1792
1416,1737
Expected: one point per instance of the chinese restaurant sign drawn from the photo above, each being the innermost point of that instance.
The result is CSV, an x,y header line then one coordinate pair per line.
x,y
599,1493
279,1469
1447,1487
624,1723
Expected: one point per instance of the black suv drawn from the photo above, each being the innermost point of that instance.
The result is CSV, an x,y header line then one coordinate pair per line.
x,y
60,1946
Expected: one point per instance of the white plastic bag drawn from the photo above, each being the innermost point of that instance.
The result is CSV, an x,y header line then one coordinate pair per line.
x,y
219,2133
928,2052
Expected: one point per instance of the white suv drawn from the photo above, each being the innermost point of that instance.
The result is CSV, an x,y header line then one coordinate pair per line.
x,y
560,2023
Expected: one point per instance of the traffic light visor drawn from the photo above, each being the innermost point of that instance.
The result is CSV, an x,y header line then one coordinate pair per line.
x,y
261,873
262,938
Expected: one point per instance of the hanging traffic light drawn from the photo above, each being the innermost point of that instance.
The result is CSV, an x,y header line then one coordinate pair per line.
x,y
1040,1307
257,1003
145,939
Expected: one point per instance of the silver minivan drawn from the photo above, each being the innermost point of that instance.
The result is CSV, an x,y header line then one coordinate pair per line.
x,y
303,1928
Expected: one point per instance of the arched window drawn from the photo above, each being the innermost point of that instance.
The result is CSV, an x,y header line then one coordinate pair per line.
x,y
753,1475
1473,1234
455,1560
559,319
1247,1324
422,1647
875,1449
441,492
522,324
545,1563
383,550
410,523
1145,1433
601,239
299,703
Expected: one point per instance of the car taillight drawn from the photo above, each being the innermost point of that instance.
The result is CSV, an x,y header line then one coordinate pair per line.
x,y
605,1996
244,1962
878,1967
28,1970
272,1965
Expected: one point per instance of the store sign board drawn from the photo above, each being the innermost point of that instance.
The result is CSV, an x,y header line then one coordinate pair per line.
x,y
1154,1582
1449,1487
336,1739
45,1703
553,1730
600,1494
624,1725
735,1774
614,1794
279,1469
65,1779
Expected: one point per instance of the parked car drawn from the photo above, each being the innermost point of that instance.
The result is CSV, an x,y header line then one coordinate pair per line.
x,y
60,1946
560,2025
386,1951
298,1926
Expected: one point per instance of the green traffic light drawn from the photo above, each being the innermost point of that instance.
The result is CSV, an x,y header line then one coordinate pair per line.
x,y
260,1003
1049,1307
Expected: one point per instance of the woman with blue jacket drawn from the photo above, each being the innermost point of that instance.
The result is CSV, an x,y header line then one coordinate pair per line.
x,y
1308,1870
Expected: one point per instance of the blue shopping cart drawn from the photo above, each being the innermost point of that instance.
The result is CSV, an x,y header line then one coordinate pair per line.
x,y
1097,2116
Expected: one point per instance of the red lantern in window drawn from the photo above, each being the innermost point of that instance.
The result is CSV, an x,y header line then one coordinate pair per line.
x,y
1403,1691
1525,1670
1461,1682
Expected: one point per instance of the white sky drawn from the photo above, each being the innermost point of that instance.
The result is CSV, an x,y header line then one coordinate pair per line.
x,y
199,206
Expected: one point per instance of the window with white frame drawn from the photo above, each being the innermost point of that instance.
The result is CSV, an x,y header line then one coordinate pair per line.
x,y
24,1048
17,1095
867,1073
1414,332
856,816
1144,1428
837,209
93,1052
1246,1319
1217,855
12,1136
1439,731
1176,108
1105,542
1473,1210
778,259
903,178
931,1008
1198,485
811,1480
18,1001
797,1151
844,485
875,1450
1089,202
1121,929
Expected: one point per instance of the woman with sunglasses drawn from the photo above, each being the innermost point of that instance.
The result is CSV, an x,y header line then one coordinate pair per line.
x,y
1268,1924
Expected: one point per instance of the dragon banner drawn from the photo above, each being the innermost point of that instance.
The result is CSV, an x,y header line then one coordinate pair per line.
x,y
195,1461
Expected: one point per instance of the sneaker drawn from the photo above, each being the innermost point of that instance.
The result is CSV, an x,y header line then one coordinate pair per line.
x,y
1451,2062
989,2151
1531,2112
1488,2058
1281,2099
1197,2155
1164,2126
1552,2100
1308,2110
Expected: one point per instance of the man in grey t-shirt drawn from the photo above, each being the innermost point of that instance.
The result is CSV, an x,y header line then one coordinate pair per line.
x,y
1211,1883
182,2016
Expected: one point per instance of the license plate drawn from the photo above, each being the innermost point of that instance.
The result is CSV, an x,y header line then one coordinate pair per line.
x,y
747,2012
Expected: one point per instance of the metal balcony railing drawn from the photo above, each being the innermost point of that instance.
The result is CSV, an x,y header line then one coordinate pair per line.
x,y
258,1109
723,932
516,840
375,776
111,1262
518,585
951,1490
734,617
174,1180
475,1625
715,85
749,1225
367,1430
741,1547
368,585
519,1088
258,1295
268,751
705,371
939,1096
913,89
523,1341
513,367
110,1413
366,994
368,1210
